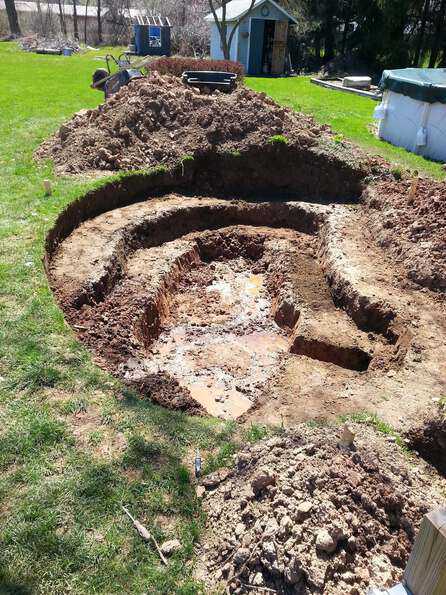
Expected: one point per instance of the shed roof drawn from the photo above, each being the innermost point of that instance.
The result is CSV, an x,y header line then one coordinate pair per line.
x,y
237,9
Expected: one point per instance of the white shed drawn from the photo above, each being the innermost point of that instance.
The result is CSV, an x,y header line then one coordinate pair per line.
x,y
413,110
260,40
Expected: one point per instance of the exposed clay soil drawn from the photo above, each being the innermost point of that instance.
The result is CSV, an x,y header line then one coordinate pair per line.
x,y
409,219
267,311
428,437
158,120
298,514
202,308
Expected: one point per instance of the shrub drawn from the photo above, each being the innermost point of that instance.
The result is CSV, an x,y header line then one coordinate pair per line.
x,y
178,64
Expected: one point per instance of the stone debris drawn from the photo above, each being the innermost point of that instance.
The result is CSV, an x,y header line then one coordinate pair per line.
x,y
300,515
326,542
262,480
39,44
170,547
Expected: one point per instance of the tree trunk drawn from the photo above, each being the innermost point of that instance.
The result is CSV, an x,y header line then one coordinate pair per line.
x,y
99,22
224,42
183,13
347,20
75,24
85,22
13,20
437,35
329,39
420,38
40,17
443,57
62,20
317,45
222,26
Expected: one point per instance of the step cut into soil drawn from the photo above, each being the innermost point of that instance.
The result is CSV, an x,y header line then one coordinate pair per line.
x,y
248,142
200,307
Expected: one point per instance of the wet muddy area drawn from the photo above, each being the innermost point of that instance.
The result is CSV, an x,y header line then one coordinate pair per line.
x,y
220,341
263,311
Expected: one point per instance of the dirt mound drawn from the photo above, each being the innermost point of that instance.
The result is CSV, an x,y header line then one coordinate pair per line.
x,y
428,437
157,121
164,390
299,514
409,218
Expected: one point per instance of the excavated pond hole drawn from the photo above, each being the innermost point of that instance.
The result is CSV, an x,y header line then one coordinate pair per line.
x,y
201,307
221,342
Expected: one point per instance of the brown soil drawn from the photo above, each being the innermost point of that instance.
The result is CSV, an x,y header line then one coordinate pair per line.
x,y
239,320
428,437
157,121
298,514
409,218
268,311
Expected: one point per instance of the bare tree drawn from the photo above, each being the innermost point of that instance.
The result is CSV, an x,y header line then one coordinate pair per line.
x,y
183,12
85,21
99,18
63,25
13,19
222,25
190,37
39,17
75,23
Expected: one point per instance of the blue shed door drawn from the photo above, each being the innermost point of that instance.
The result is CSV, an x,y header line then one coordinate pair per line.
x,y
256,46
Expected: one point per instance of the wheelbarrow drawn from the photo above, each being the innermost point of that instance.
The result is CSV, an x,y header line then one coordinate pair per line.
x,y
110,82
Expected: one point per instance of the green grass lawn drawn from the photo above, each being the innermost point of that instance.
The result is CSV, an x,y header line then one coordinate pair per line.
x,y
75,446
349,115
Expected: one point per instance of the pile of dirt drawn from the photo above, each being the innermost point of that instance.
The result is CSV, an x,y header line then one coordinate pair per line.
x,y
301,514
157,120
428,437
409,218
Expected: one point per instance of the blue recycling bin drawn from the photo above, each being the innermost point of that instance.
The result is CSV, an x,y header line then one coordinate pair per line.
x,y
152,40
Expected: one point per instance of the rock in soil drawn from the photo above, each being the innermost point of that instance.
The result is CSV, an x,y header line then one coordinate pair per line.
x,y
170,547
301,515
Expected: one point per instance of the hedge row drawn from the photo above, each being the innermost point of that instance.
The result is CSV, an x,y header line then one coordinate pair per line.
x,y
178,64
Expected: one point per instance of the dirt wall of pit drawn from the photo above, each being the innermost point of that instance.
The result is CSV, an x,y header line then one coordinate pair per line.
x,y
275,172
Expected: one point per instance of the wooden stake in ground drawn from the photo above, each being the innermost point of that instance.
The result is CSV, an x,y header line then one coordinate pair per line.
x,y
47,187
413,187
425,572
145,534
